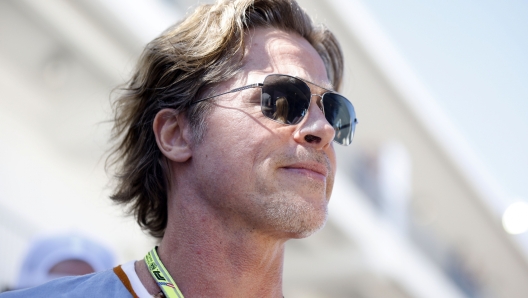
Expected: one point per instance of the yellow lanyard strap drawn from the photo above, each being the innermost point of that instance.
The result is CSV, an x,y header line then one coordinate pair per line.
x,y
161,275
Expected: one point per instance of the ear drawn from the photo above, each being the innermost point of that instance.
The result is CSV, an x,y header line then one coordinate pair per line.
x,y
173,135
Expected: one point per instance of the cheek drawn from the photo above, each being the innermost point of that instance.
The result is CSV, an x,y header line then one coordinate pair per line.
x,y
333,164
237,147
240,132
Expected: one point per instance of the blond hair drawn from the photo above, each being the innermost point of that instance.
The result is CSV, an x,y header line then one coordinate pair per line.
x,y
204,49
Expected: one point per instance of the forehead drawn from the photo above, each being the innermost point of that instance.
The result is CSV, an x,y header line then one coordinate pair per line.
x,y
270,50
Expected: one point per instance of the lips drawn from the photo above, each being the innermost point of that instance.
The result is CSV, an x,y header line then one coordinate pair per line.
x,y
312,169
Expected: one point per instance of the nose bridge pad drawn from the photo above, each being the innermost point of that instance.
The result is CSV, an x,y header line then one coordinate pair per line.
x,y
314,131
319,102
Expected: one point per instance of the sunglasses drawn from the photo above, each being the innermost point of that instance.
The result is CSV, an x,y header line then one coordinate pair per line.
x,y
286,99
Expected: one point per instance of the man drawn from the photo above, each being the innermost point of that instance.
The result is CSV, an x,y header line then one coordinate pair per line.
x,y
225,151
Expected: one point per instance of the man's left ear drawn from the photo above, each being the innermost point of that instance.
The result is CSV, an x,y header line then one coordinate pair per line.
x,y
173,135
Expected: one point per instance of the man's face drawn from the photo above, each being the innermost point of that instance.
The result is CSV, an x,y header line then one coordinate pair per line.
x,y
258,173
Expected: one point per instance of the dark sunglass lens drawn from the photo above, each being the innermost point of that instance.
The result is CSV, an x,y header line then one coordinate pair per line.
x,y
341,115
285,99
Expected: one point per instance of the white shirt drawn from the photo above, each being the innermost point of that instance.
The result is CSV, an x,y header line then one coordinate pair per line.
x,y
138,287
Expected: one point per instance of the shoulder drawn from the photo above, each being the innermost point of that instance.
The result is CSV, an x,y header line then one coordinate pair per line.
x,y
102,284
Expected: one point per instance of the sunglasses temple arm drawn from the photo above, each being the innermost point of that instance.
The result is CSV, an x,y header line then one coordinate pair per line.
x,y
256,85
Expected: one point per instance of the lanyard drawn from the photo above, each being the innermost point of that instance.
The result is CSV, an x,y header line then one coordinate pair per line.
x,y
161,275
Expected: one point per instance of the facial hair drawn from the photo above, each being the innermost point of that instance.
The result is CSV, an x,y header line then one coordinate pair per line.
x,y
287,213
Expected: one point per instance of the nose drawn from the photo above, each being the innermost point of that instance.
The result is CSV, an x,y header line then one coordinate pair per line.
x,y
314,130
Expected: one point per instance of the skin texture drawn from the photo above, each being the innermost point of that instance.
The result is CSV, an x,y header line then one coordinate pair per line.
x,y
250,184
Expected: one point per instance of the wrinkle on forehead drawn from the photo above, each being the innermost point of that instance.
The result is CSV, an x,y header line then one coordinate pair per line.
x,y
271,50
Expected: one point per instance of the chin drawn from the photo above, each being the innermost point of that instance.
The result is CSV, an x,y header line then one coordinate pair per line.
x,y
307,230
304,234
296,220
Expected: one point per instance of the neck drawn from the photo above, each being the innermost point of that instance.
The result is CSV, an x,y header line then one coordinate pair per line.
x,y
208,257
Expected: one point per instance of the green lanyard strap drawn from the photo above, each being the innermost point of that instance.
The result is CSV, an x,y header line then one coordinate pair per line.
x,y
161,275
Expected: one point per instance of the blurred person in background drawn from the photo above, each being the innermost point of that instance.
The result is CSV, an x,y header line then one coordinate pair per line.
x,y
53,256
211,162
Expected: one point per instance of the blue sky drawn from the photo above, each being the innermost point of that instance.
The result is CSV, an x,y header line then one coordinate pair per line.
x,y
473,57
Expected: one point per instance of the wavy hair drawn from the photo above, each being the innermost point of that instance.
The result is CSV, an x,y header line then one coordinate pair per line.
x,y
204,49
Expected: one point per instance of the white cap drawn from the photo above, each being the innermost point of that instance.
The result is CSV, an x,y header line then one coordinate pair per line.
x,y
46,252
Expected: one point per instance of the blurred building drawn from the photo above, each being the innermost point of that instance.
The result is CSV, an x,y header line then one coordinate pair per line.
x,y
410,214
